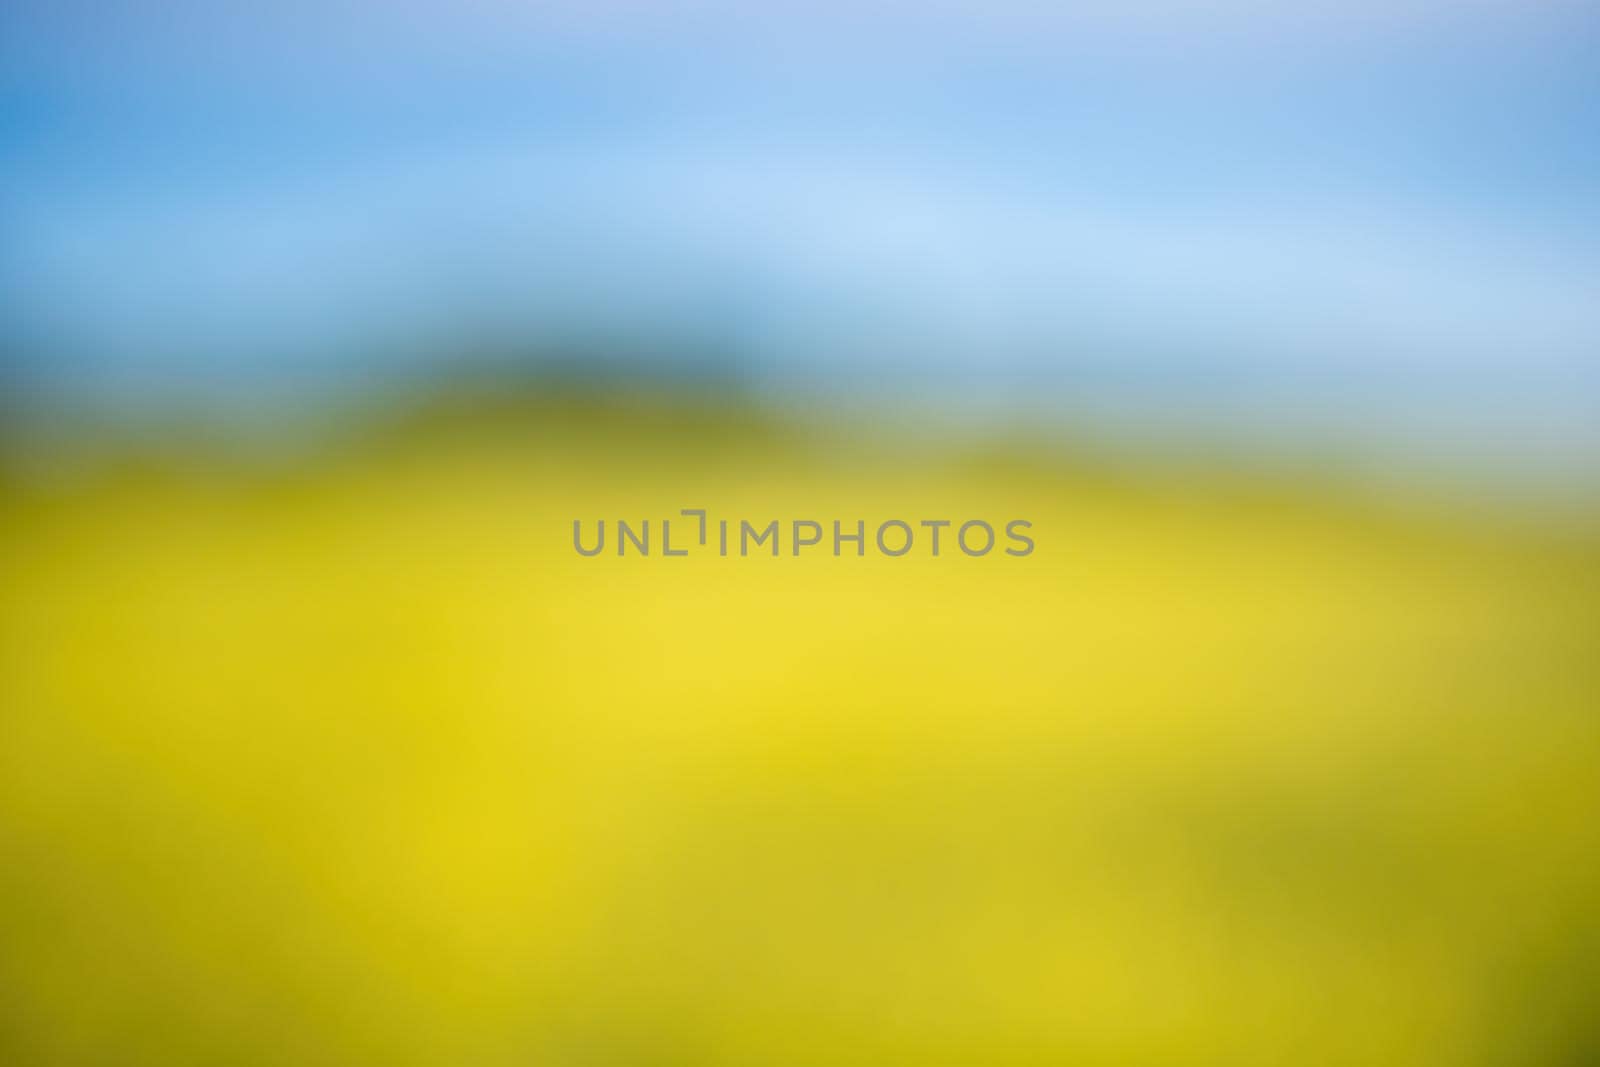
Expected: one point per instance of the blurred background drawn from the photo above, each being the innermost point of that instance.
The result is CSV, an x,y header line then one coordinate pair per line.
x,y
320,323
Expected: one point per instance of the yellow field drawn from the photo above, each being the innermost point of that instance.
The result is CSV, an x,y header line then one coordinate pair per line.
x,y
362,764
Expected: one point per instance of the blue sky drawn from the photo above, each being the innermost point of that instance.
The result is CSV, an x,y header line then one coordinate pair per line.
x,y
1238,204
